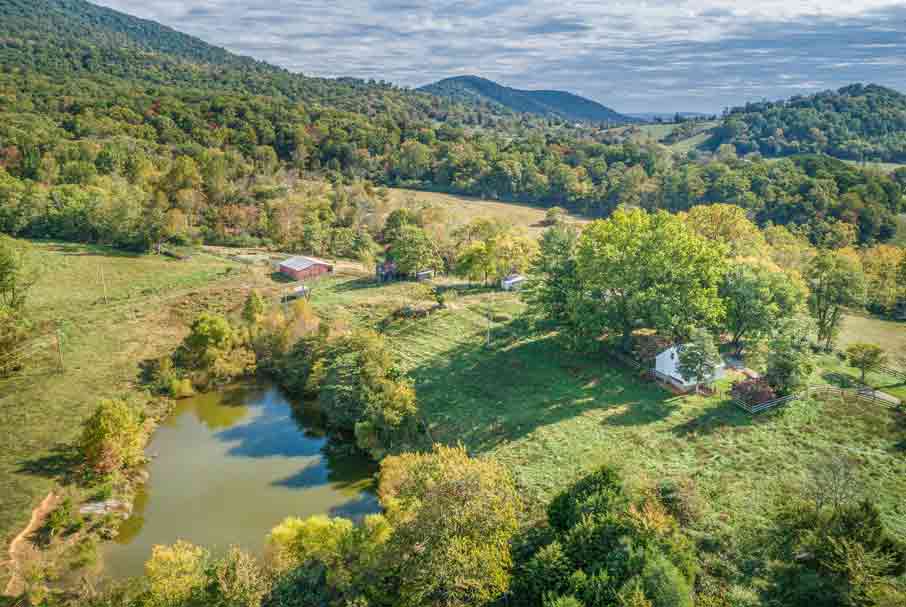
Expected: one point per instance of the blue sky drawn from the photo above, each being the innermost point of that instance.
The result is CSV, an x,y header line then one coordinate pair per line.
x,y
644,55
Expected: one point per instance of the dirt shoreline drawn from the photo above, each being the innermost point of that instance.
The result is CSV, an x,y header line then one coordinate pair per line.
x,y
14,586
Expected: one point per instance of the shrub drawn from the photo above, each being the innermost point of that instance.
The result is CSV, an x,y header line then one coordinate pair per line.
x,y
546,572
181,388
176,574
562,601
215,350
329,560
63,519
596,494
299,587
297,541
664,585
239,580
554,215
753,391
680,499
453,517
113,438
362,393
253,308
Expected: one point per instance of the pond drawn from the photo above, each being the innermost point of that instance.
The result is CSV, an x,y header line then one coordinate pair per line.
x,y
227,467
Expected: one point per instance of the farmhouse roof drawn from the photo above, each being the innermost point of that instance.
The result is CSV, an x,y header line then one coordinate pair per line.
x,y
302,263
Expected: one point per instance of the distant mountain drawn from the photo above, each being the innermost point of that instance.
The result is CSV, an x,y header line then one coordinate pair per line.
x,y
472,89
857,122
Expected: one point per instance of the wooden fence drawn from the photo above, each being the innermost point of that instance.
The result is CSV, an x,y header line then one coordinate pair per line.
x,y
898,373
901,375
866,394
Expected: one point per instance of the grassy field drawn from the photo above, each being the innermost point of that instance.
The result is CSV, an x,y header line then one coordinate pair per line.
x,y
654,133
551,415
483,378
148,301
462,209
889,334
884,167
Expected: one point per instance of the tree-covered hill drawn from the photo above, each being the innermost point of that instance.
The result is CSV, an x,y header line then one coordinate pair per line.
x,y
67,39
858,122
543,103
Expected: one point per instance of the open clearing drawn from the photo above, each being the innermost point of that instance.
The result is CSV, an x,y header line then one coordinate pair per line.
x,y
884,167
889,334
148,299
511,392
655,133
463,209
551,415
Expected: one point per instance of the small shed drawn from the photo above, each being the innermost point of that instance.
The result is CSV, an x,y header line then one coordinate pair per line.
x,y
303,268
666,368
513,282
423,275
300,292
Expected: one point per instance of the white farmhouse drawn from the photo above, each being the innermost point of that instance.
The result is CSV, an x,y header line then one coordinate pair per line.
x,y
666,368
513,282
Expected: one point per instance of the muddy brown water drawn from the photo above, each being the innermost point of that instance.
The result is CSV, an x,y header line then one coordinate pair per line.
x,y
229,466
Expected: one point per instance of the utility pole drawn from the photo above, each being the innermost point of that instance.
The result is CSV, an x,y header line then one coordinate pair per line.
x,y
59,336
103,282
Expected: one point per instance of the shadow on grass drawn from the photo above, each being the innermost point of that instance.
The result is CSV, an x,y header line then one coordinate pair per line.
x,y
61,463
721,416
84,250
358,284
484,396
281,278
644,412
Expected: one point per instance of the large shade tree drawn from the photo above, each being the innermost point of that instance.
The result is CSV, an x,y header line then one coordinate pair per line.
x,y
757,296
837,282
414,251
648,270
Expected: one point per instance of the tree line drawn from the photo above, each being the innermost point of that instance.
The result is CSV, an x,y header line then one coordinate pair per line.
x,y
639,277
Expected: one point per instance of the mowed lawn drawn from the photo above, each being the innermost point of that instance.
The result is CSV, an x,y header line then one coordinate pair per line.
x,y
149,300
550,415
463,209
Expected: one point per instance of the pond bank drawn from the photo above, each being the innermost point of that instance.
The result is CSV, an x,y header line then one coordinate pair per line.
x,y
228,466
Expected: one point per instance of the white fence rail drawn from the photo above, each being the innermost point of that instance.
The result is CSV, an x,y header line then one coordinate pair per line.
x,y
866,394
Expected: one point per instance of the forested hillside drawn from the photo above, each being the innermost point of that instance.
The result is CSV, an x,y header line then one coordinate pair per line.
x,y
470,89
857,122
120,131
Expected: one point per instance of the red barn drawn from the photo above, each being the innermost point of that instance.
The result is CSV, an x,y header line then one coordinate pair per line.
x,y
303,268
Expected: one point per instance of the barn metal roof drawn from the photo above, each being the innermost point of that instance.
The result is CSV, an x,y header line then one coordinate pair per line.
x,y
302,263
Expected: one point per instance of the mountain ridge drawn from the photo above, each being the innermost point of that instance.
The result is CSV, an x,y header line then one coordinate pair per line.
x,y
548,103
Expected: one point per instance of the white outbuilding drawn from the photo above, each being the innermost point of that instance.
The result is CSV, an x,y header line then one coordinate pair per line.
x,y
513,282
666,368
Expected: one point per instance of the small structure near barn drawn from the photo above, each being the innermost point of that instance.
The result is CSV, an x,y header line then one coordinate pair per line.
x,y
513,282
303,268
666,369
386,271
300,292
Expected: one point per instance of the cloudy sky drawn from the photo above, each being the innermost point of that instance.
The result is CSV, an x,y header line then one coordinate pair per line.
x,y
635,56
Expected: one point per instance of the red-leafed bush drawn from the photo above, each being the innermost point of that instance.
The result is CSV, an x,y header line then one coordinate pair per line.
x,y
753,391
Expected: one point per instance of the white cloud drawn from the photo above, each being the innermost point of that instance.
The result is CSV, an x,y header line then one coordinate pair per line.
x,y
616,52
